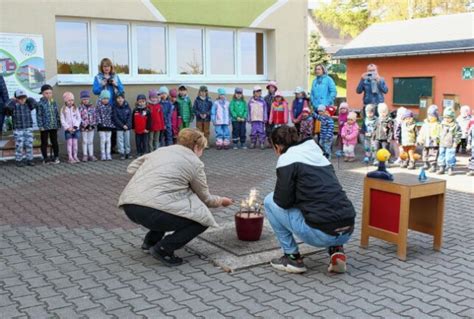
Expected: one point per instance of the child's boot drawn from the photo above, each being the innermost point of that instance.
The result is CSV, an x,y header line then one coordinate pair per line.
x,y
243,146
103,157
440,171
432,168
236,146
470,172
450,171
426,165
411,165
404,164
253,145
262,145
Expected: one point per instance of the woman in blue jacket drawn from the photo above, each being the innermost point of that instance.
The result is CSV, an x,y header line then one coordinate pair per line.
x,y
108,80
323,89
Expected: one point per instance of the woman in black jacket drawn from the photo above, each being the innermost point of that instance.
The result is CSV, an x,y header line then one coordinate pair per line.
x,y
308,202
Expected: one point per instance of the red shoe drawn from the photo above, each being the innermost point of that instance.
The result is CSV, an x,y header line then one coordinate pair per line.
x,y
337,263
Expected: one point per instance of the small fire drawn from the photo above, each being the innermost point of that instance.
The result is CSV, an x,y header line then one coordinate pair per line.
x,y
251,203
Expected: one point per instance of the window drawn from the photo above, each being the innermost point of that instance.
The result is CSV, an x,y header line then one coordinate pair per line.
x,y
72,48
251,53
151,48
221,51
112,42
154,52
189,51
407,91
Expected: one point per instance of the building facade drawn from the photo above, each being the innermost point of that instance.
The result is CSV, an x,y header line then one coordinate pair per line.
x,y
220,43
421,57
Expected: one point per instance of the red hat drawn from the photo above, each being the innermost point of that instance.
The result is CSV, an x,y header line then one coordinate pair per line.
x,y
173,93
331,110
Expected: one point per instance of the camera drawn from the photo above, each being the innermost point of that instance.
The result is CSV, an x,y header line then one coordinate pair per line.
x,y
110,81
370,74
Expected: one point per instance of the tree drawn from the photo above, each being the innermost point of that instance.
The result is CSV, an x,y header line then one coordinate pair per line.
x,y
351,17
316,53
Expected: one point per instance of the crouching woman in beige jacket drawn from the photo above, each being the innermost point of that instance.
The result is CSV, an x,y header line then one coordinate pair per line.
x,y
168,193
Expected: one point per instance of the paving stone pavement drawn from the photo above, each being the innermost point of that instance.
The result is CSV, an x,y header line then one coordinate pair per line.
x,y
66,251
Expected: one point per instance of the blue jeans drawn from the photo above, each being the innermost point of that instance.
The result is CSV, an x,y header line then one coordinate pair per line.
x,y
326,145
123,142
289,222
76,134
447,157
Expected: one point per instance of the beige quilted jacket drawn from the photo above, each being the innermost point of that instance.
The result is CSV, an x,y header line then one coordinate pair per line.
x,y
171,179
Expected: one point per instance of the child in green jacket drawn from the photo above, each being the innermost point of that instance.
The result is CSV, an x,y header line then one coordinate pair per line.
x,y
185,107
239,112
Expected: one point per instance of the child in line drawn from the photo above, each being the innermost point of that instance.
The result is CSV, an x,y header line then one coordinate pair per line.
x,y
220,117
278,111
297,106
202,111
470,147
88,125
185,107
272,88
383,129
370,122
407,138
167,108
122,115
71,122
176,119
463,121
397,149
141,123
306,122
349,135
20,108
449,138
49,121
158,128
326,134
239,113
428,138
342,119
105,125
257,117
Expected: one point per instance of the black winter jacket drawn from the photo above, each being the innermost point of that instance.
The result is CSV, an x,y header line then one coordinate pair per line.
x,y
306,180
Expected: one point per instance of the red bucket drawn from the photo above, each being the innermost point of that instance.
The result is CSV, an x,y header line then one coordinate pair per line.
x,y
249,226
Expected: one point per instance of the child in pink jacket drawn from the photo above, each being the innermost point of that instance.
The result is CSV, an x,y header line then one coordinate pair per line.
x,y
71,122
349,134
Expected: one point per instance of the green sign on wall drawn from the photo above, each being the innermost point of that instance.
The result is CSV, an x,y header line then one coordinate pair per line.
x,y
468,73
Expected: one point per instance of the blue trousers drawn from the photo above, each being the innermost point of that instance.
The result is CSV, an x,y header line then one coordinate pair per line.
x,y
222,134
289,222
447,157
239,132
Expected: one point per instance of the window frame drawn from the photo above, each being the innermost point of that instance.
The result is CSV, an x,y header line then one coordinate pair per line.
x,y
171,76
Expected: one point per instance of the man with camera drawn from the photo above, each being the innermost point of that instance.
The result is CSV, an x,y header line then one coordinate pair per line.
x,y
373,86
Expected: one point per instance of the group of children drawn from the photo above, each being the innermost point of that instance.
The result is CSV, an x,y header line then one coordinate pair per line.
x,y
156,122
440,138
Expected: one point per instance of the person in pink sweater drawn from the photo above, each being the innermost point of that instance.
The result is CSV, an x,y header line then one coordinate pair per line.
x,y
349,134
71,122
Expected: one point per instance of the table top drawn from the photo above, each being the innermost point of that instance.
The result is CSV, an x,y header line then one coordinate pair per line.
x,y
407,180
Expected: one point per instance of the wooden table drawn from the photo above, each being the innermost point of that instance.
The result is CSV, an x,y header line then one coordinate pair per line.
x,y
390,208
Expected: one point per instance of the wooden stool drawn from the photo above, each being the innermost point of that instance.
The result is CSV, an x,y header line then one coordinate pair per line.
x,y
390,208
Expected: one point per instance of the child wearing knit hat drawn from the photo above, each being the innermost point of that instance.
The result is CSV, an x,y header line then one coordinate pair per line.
x,y
428,137
407,138
370,122
450,137
220,117
202,111
463,121
141,123
350,134
158,127
71,122
88,124
326,133
383,129
105,125
306,122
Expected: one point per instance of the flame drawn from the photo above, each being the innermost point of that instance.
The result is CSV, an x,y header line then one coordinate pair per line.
x,y
251,202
